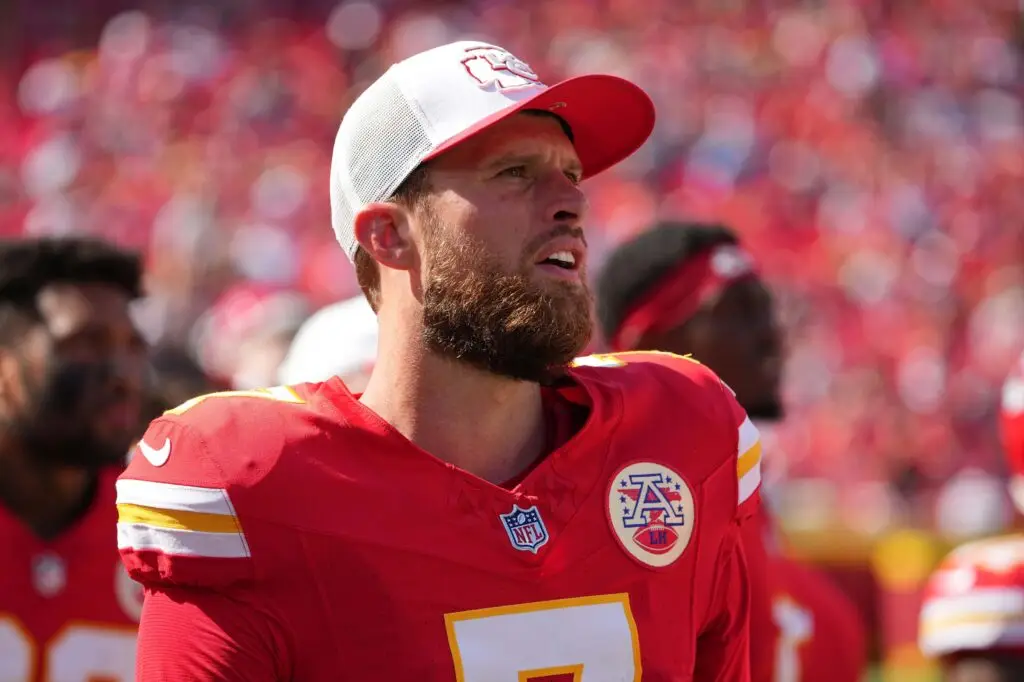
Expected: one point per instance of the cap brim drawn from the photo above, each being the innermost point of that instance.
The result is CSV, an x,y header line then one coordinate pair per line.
x,y
610,118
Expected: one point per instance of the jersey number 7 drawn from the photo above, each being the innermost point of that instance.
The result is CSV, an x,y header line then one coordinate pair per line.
x,y
587,639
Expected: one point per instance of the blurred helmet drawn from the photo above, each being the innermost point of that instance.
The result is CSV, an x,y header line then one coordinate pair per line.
x,y
338,340
974,601
1011,422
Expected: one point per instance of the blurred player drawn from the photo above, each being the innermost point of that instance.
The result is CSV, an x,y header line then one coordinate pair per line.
x,y
71,376
972,618
691,288
175,376
339,340
485,510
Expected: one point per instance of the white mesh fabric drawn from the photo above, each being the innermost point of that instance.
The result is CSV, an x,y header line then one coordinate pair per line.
x,y
380,141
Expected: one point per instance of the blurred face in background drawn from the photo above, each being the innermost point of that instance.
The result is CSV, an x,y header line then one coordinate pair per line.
x,y
736,334
73,383
504,257
175,377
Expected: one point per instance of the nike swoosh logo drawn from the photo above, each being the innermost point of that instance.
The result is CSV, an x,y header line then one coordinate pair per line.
x,y
156,457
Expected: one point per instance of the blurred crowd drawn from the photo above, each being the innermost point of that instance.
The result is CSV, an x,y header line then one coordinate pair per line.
x,y
871,153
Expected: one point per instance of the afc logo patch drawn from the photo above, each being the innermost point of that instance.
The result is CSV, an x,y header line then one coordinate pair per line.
x,y
651,511
525,528
494,68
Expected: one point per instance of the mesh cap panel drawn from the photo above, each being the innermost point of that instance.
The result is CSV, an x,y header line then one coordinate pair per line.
x,y
380,142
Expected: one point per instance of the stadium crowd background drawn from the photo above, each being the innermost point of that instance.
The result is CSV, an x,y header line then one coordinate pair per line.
x,y
870,152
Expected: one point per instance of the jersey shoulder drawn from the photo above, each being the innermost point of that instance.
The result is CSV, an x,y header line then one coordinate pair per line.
x,y
643,369
179,520
974,600
233,436
664,388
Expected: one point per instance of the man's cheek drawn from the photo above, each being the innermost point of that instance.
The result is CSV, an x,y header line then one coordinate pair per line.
x,y
74,387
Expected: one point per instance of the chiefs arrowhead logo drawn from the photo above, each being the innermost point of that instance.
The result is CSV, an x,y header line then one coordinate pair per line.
x,y
494,68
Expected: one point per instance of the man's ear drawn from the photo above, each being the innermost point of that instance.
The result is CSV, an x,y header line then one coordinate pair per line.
x,y
382,229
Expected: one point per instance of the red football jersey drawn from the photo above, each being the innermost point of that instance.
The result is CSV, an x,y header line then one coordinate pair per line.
x,y
762,623
811,630
68,610
819,635
291,533
974,601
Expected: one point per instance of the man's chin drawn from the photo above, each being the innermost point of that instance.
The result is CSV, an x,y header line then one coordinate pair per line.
x,y
94,456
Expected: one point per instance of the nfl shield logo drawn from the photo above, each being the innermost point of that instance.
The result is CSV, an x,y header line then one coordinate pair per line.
x,y
525,528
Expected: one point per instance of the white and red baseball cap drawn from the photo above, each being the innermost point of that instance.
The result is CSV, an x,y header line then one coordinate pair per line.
x,y
433,100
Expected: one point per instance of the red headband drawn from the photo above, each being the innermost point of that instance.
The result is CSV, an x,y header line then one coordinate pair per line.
x,y
679,294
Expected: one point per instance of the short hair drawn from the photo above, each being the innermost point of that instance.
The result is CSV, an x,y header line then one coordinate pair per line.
x,y
409,194
27,266
636,266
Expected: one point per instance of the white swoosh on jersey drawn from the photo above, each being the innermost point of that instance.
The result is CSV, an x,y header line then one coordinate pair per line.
x,y
156,457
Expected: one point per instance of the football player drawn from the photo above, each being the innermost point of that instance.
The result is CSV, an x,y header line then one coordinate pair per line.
x,y
692,288
972,618
486,509
72,367
175,377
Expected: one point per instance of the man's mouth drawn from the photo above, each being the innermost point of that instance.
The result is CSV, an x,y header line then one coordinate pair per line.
x,y
564,260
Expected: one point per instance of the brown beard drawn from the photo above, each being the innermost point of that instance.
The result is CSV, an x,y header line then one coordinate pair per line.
x,y
505,323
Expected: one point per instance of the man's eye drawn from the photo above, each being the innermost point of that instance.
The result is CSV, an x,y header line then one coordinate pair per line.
x,y
514,172
575,178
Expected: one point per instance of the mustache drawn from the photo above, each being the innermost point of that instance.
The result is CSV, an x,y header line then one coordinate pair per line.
x,y
562,230
73,386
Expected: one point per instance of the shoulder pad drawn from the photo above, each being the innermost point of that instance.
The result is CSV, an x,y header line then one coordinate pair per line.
x,y
693,378
177,522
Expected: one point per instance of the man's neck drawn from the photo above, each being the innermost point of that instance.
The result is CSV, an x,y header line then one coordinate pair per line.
x,y
46,498
489,426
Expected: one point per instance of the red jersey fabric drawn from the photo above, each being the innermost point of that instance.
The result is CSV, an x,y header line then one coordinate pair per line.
x,y
292,534
68,610
808,628
762,623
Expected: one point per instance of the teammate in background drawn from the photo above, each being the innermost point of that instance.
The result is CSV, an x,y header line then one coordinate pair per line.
x,y
486,509
174,377
691,288
71,376
339,340
972,618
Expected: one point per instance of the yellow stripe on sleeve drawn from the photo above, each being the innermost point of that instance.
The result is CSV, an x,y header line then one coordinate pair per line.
x,y
748,460
176,519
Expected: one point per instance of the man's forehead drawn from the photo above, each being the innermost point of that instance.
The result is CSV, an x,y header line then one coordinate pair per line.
x,y
64,300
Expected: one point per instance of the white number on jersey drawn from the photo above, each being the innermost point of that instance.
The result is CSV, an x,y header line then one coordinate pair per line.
x,y
594,639
796,626
78,653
